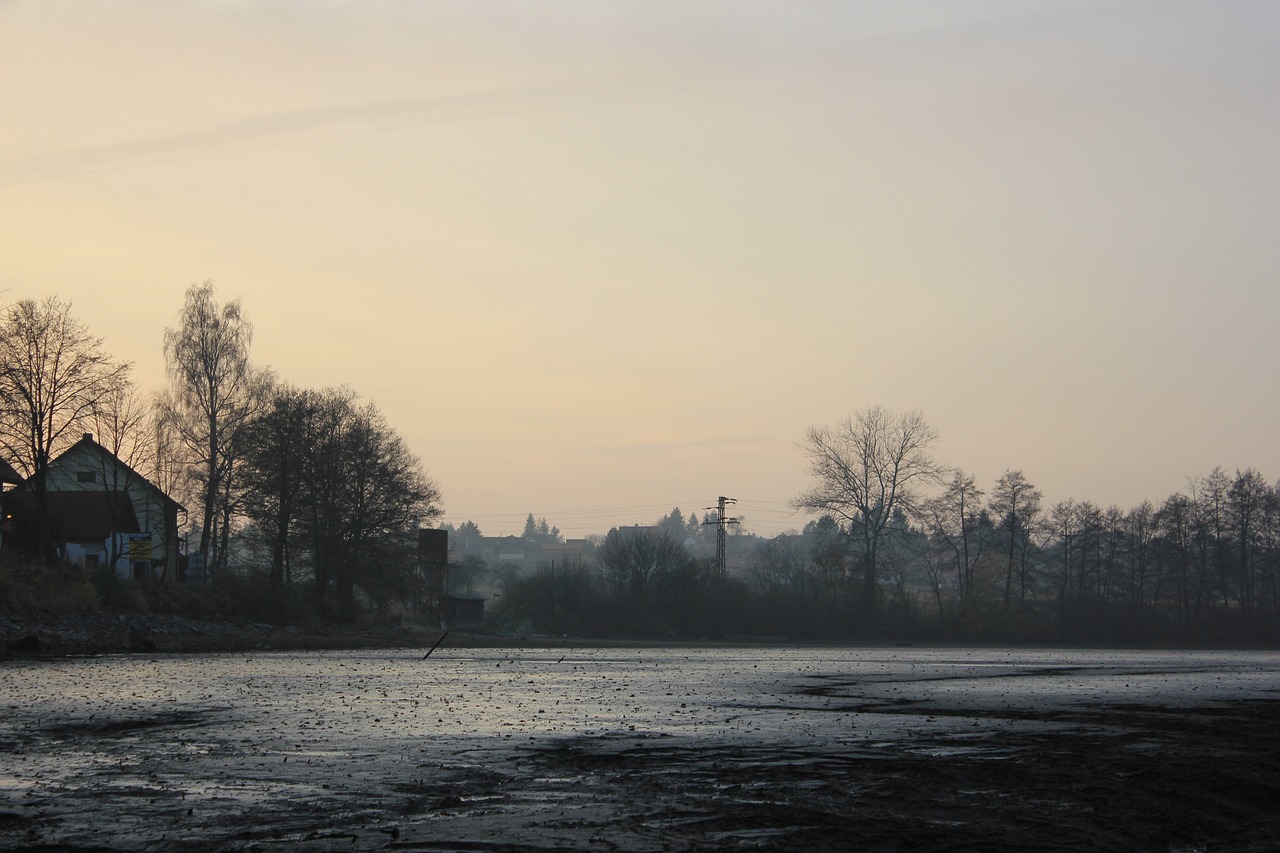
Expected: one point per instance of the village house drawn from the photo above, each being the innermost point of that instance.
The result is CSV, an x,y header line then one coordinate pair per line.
x,y
101,512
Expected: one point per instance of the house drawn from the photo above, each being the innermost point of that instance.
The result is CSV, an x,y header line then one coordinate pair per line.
x,y
100,512
8,476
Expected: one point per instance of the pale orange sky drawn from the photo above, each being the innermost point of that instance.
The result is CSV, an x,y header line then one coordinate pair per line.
x,y
598,259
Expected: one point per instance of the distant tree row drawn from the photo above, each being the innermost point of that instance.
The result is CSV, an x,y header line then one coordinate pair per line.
x,y
316,480
926,545
906,547
643,582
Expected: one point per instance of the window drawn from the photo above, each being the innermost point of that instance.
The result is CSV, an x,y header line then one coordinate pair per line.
x,y
87,476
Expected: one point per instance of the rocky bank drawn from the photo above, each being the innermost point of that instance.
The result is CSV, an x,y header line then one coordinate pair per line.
x,y
115,633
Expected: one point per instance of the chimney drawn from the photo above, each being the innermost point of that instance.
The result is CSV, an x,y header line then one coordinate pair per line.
x,y
88,436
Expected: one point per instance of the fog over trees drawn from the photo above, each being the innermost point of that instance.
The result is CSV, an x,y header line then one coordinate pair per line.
x,y
907,547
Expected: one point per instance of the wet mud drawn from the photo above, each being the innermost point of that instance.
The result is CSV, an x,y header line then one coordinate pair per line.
x,y
644,750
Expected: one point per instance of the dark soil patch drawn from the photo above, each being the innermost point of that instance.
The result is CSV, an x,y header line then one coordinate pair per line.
x,y
1153,779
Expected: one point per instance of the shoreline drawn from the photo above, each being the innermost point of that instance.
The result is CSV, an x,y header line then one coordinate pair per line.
x,y
107,633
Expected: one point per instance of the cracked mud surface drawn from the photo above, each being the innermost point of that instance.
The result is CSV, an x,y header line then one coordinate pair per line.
x,y
644,749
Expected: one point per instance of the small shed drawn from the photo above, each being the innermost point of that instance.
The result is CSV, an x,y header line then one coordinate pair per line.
x,y
463,611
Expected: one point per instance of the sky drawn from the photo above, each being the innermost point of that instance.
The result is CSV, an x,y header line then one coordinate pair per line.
x,y
598,259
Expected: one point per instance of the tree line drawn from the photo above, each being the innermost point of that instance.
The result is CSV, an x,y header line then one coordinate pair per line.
x,y
906,547
312,486
930,549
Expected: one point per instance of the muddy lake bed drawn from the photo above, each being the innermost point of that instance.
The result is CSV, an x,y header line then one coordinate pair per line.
x,y
644,749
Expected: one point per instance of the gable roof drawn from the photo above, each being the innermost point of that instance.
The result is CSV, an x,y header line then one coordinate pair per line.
x,y
9,475
87,443
81,516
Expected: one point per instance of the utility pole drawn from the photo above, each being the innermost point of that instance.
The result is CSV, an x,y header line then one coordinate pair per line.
x,y
722,521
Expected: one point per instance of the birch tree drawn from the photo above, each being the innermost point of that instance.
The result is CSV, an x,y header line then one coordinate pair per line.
x,y
213,393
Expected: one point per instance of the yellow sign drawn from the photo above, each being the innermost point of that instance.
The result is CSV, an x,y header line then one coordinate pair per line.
x,y
139,547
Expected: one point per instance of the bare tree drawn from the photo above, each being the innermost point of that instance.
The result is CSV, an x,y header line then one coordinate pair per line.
x,y
363,495
1144,588
1176,522
122,424
213,393
1248,498
1015,503
1064,524
869,471
780,567
827,551
272,476
955,517
635,561
1212,547
53,376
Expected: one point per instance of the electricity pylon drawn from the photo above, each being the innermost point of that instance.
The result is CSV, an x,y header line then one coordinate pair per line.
x,y
722,521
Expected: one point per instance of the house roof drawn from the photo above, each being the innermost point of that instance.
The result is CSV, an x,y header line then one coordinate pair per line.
x,y
9,475
88,443
81,516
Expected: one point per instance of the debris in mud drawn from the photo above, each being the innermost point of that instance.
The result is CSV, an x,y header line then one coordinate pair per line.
x,y
819,749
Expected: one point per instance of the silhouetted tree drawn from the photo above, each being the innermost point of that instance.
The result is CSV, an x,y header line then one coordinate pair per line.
x,y
869,470
468,534
54,375
1015,504
635,560
272,479
1145,581
122,424
538,531
1247,500
1064,524
363,495
1175,523
1213,550
674,523
954,518
213,393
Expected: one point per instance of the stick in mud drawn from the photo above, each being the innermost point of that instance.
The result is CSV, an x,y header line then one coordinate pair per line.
x,y
433,648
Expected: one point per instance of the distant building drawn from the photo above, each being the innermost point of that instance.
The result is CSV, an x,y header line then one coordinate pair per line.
x,y
568,551
462,610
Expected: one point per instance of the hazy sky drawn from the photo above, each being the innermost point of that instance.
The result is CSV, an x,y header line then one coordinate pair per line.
x,y
598,259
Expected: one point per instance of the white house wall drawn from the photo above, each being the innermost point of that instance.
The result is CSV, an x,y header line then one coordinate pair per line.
x,y
147,506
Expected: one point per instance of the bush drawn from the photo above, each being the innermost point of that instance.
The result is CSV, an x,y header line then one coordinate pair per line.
x,y
32,586
555,600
